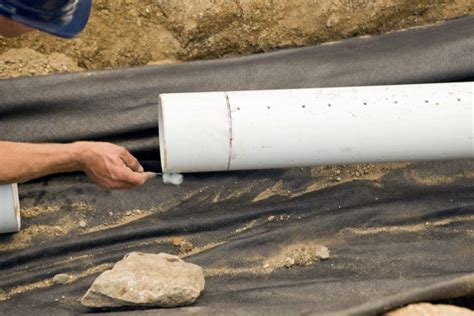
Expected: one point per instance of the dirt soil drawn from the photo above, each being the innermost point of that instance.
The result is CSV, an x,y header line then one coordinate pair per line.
x,y
124,33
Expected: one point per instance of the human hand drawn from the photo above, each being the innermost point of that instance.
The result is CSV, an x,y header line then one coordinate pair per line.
x,y
110,166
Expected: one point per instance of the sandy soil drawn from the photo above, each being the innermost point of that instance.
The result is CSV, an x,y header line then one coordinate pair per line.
x,y
125,33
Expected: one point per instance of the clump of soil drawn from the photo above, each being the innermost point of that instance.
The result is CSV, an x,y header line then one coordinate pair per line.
x,y
184,245
300,254
306,256
297,255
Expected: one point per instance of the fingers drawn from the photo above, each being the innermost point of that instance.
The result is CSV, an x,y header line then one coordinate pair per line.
x,y
149,175
131,161
113,167
136,178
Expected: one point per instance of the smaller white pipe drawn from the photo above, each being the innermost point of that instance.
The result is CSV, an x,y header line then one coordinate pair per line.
x,y
10,221
220,131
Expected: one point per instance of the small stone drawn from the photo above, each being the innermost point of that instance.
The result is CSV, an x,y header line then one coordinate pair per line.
x,y
266,266
128,213
186,246
176,241
111,213
322,253
61,278
338,172
271,218
151,280
357,174
82,223
332,20
63,297
338,179
289,262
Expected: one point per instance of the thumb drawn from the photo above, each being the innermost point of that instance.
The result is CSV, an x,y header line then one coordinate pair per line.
x,y
148,175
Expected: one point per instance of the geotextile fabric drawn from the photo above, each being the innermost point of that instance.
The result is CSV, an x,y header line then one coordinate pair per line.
x,y
403,234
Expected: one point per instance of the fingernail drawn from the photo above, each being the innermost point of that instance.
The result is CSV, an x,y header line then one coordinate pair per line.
x,y
140,169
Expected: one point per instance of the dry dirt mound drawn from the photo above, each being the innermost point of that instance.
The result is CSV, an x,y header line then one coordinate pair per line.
x,y
215,28
25,61
126,33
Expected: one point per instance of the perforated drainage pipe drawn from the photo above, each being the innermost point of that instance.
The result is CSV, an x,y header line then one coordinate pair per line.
x,y
219,131
9,209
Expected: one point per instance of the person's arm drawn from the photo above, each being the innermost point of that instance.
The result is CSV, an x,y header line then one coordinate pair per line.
x,y
108,165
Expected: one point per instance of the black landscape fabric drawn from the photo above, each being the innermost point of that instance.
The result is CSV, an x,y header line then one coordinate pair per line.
x,y
402,234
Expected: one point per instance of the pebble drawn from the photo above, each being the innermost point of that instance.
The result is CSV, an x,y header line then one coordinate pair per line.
x,y
271,218
176,241
61,278
186,246
266,266
323,253
289,262
82,223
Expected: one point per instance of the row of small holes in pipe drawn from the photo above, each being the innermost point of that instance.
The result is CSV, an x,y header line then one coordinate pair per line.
x,y
365,103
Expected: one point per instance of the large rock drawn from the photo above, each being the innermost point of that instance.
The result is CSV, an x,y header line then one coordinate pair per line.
x,y
140,279
426,309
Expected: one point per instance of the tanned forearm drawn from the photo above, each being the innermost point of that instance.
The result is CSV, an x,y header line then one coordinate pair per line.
x,y
20,162
108,165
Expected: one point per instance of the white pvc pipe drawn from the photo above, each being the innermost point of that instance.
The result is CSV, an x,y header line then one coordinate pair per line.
x,y
9,209
219,131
